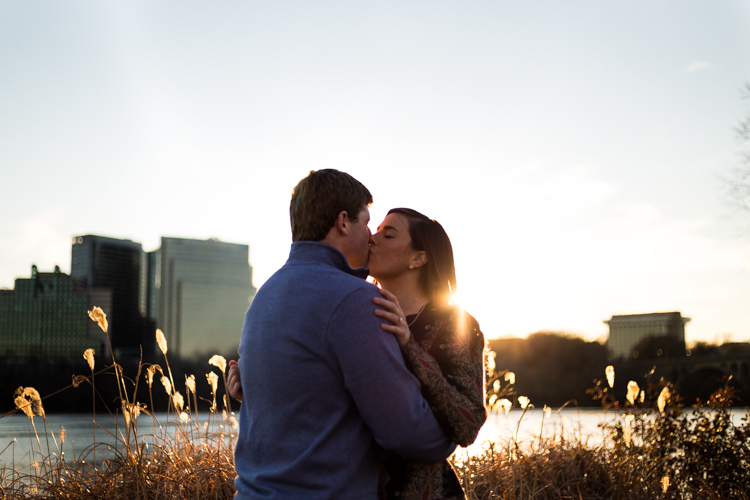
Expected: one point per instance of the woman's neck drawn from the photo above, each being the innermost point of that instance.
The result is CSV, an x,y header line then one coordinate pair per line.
x,y
408,292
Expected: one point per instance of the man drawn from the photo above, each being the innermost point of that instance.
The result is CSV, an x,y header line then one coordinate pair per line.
x,y
325,387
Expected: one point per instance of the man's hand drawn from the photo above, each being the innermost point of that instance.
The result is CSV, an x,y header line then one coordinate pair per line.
x,y
234,384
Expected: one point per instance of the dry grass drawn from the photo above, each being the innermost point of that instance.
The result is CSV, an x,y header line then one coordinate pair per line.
x,y
167,470
656,451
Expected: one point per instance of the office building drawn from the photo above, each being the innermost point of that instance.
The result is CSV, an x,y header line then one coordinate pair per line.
x,y
626,331
46,315
120,265
204,288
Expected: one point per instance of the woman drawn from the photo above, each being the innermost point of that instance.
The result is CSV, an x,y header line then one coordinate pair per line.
x,y
412,259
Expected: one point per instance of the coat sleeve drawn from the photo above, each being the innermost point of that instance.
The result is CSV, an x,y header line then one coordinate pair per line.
x,y
385,392
455,390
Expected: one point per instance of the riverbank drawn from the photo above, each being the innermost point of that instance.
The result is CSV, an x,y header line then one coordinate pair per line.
x,y
638,453
648,446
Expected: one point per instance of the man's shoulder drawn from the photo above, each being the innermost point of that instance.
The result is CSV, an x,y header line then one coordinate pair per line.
x,y
317,280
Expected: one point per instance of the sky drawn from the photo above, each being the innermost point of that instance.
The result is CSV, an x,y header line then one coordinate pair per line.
x,y
574,151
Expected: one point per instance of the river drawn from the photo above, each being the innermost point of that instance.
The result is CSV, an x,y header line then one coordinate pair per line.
x,y
17,437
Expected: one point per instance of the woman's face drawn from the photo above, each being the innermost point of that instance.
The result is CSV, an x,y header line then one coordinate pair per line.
x,y
390,248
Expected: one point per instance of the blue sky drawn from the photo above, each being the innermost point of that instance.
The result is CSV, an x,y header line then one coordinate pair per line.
x,y
573,150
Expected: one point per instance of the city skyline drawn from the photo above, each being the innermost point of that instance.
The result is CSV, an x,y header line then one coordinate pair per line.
x,y
574,153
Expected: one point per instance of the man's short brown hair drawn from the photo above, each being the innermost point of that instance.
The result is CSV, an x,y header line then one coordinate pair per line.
x,y
320,197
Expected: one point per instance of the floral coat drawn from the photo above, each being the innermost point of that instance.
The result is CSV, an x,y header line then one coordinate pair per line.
x,y
446,354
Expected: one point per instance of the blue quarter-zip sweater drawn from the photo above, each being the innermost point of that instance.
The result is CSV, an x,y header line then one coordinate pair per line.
x,y
325,387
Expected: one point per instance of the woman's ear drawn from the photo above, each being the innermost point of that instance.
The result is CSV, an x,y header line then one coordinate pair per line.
x,y
418,260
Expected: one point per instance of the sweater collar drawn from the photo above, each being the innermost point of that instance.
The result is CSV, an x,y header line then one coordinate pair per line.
x,y
307,252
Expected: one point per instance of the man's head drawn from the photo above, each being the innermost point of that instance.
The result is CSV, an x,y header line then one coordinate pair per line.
x,y
328,206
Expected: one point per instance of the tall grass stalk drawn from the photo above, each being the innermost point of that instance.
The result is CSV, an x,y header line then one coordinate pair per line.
x,y
669,454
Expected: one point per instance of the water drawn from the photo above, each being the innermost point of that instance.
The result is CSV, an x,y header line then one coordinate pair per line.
x,y
571,423
19,447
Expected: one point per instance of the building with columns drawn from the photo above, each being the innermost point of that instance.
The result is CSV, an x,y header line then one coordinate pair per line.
x,y
626,331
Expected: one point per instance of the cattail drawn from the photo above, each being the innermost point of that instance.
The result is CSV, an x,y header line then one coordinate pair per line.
x,y
504,405
547,411
167,385
23,404
190,383
179,401
28,401
126,414
213,380
633,391
626,429
496,386
161,341
63,434
88,355
184,417
100,317
662,401
664,484
491,362
643,396
510,377
523,401
610,372
150,374
219,362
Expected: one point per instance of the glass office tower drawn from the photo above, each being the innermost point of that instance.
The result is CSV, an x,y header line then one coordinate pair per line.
x,y
204,288
120,265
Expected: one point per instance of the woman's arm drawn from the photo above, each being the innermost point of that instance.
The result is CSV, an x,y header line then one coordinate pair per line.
x,y
455,390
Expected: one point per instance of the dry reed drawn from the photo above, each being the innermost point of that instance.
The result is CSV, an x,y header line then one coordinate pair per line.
x,y
654,451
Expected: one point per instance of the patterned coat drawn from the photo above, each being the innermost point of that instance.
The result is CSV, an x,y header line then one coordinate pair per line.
x,y
446,354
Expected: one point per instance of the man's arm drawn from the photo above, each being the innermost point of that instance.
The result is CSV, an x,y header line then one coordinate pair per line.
x,y
386,393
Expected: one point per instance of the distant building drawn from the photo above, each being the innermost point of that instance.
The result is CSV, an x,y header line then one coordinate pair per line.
x,y
46,315
120,265
625,331
204,288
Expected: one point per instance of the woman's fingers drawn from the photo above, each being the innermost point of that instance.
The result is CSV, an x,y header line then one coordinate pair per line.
x,y
392,315
389,305
388,295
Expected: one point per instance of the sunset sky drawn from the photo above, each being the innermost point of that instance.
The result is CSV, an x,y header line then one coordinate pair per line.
x,y
573,150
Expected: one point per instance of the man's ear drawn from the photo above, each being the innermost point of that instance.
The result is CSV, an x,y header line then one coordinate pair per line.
x,y
418,260
343,223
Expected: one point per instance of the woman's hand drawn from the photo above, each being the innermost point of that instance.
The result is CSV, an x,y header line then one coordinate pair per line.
x,y
234,384
394,314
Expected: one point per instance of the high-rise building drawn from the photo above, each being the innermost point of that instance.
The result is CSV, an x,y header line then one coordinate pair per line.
x,y
46,315
626,331
204,289
101,262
